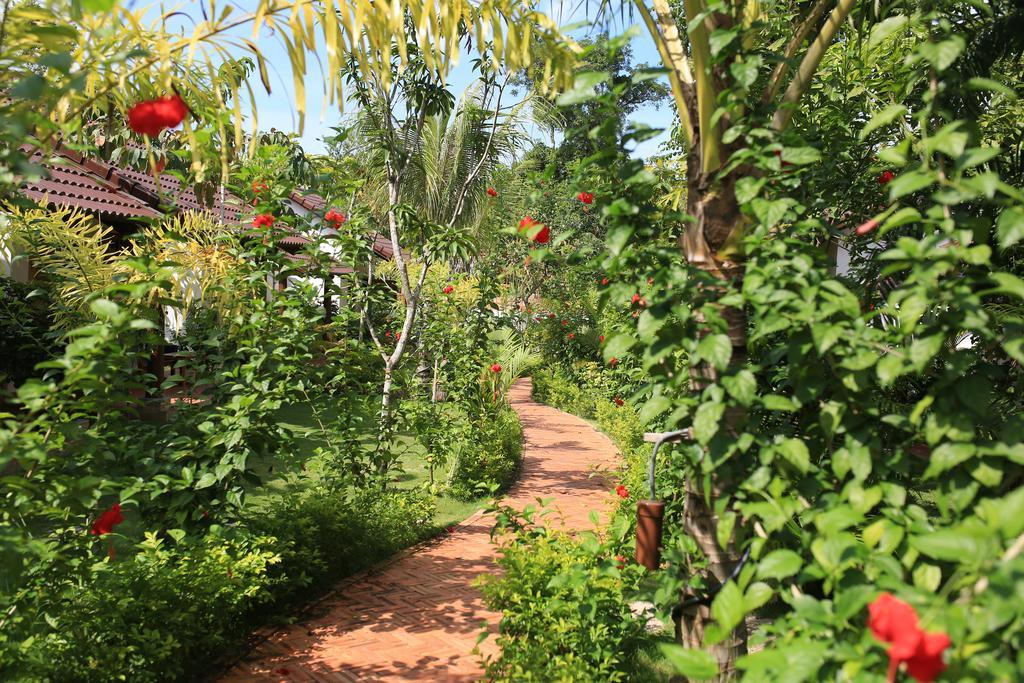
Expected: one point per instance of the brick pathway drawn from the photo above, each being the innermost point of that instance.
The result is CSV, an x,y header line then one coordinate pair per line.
x,y
418,617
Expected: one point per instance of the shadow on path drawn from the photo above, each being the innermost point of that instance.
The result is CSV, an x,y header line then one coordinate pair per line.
x,y
418,617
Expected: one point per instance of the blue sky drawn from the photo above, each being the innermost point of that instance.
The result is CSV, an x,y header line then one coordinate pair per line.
x,y
277,109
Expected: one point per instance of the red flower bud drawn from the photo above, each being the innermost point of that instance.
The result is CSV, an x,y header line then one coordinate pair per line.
x,y
492,192
865,228
895,622
335,219
263,220
635,299
600,339
621,491
571,335
885,177
604,281
544,236
152,116
448,290
496,368
618,401
585,197
613,362
107,521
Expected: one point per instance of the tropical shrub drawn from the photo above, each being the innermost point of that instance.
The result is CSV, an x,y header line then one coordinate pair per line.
x,y
487,459
564,602
159,614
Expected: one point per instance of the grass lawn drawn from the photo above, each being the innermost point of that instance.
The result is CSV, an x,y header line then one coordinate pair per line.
x,y
414,470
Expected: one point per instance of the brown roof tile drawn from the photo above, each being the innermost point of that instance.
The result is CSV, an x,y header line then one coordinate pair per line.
x,y
74,185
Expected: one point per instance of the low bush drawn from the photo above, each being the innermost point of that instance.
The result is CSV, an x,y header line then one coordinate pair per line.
x,y
564,601
328,534
488,458
167,610
157,615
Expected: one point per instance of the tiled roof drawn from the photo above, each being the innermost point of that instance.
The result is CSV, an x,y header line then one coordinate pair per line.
x,y
73,184
109,190
308,200
225,206
382,246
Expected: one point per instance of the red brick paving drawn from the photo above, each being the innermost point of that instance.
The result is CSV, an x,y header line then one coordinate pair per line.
x,y
418,617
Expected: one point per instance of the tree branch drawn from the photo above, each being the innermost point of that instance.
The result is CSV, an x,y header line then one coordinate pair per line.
x,y
802,79
794,44
673,56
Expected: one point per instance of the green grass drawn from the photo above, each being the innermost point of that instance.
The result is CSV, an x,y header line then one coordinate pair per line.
x,y
413,468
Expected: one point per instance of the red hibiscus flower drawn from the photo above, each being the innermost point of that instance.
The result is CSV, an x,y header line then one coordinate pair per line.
x,y
618,401
621,491
107,521
152,116
585,197
926,663
571,335
259,186
496,368
866,227
526,223
544,236
492,192
600,338
604,281
613,362
263,220
448,290
635,299
885,177
895,622
388,333
335,219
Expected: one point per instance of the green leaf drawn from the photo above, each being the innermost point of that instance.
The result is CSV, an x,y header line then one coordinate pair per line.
x,y
942,54
716,349
776,402
883,118
721,38
969,542
748,187
744,73
104,308
207,480
779,564
886,28
800,155
742,386
29,88
947,456
906,183
705,421
1010,226
583,88
979,83
758,594
795,452
618,346
927,577
694,664
728,607
653,408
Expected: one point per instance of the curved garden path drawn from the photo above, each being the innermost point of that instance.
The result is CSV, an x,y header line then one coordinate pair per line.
x,y
417,617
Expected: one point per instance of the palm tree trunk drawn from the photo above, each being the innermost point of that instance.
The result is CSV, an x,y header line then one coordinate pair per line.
x,y
717,217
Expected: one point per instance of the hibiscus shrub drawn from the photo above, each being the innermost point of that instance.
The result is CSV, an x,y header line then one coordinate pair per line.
x,y
488,456
564,603
159,614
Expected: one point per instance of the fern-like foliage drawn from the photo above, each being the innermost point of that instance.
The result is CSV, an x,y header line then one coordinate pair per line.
x,y
72,253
